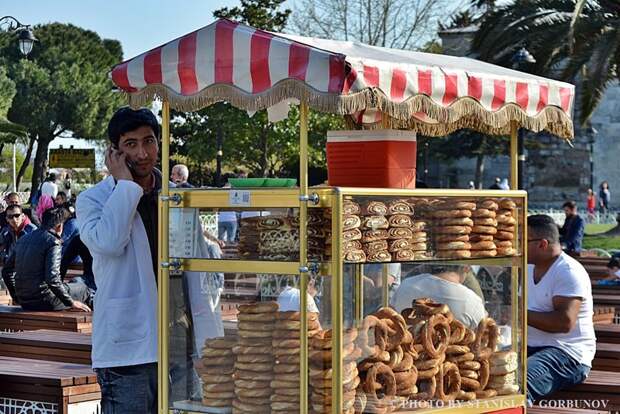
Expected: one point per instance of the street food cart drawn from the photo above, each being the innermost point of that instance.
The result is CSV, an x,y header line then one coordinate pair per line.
x,y
324,307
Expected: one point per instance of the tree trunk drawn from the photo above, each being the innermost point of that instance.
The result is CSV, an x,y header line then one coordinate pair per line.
x,y
40,164
479,170
264,158
24,166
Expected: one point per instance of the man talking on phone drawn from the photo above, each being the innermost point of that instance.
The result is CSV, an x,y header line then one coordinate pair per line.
x,y
117,219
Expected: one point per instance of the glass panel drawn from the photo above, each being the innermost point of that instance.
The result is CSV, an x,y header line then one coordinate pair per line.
x,y
267,234
235,340
444,338
398,229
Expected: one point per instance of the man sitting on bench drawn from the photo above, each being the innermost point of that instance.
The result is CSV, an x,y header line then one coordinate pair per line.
x,y
36,258
560,337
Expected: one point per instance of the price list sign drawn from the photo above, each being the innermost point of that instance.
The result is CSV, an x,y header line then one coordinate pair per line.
x,y
183,222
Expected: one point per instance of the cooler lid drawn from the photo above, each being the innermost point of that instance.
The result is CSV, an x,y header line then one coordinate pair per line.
x,y
371,135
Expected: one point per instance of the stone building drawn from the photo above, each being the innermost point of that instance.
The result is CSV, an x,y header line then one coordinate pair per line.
x,y
555,171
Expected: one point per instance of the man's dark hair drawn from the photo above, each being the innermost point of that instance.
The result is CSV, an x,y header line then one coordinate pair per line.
x,y
53,217
11,194
126,119
51,177
613,262
543,227
570,204
14,207
62,194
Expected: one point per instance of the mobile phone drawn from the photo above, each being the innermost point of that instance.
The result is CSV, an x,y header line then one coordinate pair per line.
x,y
129,163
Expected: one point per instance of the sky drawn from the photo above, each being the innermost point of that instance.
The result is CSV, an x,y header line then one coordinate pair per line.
x,y
139,25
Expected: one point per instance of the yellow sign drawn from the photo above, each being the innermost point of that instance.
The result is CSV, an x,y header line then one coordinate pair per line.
x,y
72,158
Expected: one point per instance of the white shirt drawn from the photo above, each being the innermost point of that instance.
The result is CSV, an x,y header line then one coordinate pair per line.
x,y
566,277
289,301
466,306
227,217
50,188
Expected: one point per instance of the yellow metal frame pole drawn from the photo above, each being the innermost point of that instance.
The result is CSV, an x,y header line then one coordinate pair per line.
x,y
164,273
523,307
514,156
385,292
359,292
303,256
336,299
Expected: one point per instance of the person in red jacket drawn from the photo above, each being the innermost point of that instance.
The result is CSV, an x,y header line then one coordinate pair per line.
x,y
591,205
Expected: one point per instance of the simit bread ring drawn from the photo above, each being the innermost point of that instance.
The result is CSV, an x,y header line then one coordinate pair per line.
x,y
507,228
216,402
484,373
487,335
426,389
507,204
469,384
406,364
428,307
210,352
217,379
444,214
504,235
469,338
457,205
255,326
406,379
506,251
483,245
286,368
456,221
475,238
461,358
250,384
435,335
453,230
485,221
448,382
225,360
465,396
380,331
253,375
446,238
225,342
457,331
258,367
484,229
253,343
457,349
453,254
223,387
253,358
286,343
483,253
455,245
486,394
380,377
488,204
468,373
259,307
470,365
256,317
254,334
506,220
296,316
483,212
254,392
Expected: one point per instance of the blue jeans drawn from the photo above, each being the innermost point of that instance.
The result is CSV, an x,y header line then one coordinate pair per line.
x,y
128,390
550,369
227,231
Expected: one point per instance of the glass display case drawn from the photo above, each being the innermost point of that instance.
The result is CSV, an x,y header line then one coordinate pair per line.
x,y
410,300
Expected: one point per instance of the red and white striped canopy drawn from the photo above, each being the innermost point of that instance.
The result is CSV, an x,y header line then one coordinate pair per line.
x,y
434,94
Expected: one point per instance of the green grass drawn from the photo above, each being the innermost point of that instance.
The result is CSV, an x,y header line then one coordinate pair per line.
x,y
601,242
592,229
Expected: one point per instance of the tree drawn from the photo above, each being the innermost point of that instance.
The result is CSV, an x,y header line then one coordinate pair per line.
x,y
400,24
63,89
576,41
262,14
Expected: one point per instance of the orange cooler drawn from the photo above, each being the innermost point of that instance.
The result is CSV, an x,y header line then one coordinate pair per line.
x,y
381,158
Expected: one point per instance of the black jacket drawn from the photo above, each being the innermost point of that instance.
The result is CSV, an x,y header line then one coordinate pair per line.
x,y
37,269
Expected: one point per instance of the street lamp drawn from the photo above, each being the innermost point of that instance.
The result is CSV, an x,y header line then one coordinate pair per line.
x,y
25,36
521,57
591,134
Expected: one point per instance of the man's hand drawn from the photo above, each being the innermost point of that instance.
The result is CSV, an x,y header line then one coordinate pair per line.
x,y
79,306
116,162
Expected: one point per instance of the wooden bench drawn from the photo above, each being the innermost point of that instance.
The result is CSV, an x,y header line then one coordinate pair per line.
x,y
608,333
600,386
61,346
606,299
5,298
14,318
607,357
31,386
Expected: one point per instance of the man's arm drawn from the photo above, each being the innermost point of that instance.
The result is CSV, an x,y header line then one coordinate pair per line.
x,y
105,228
561,319
52,275
8,275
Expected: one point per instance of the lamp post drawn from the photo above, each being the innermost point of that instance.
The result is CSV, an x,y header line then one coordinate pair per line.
x,y
25,39
25,36
519,59
591,134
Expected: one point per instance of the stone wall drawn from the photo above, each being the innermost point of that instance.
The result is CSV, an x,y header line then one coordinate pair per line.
x,y
606,120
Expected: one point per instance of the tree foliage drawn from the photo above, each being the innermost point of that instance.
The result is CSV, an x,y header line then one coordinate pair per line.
x,y
262,14
63,86
576,41
400,24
